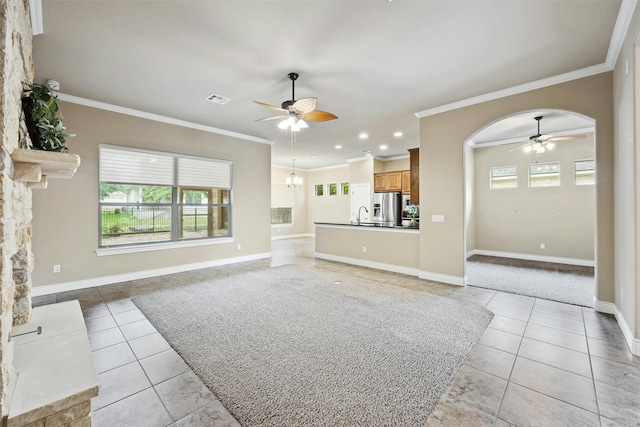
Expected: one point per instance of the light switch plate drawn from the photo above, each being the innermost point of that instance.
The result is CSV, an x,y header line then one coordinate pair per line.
x,y
437,218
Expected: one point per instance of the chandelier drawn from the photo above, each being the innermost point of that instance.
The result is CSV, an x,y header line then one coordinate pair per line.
x,y
293,180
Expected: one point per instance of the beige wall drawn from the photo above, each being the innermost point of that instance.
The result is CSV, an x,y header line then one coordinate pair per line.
x,y
397,248
327,208
626,107
393,165
442,183
65,226
469,200
281,195
518,220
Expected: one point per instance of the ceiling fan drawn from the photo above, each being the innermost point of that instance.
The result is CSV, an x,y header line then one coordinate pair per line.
x,y
541,142
294,113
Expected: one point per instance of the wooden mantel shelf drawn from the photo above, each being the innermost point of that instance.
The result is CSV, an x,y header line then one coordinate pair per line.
x,y
36,166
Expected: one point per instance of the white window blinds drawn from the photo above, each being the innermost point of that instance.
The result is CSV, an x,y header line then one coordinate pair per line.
x,y
203,173
135,167
119,164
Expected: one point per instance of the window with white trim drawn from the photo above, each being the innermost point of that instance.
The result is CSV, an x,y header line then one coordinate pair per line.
x,y
151,196
585,172
544,174
504,177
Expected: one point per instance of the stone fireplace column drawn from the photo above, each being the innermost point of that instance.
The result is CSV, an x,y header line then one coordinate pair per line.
x,y
16,68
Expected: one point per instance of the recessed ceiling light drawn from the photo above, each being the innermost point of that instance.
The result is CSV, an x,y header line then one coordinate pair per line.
x,y
363,135
368,154
338,147
397,134
314,157
383,147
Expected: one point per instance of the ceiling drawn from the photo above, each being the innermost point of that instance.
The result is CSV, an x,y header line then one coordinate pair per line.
x,y
374,64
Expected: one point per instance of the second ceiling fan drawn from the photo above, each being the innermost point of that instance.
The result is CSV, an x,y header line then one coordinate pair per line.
x,y
542,142
294,113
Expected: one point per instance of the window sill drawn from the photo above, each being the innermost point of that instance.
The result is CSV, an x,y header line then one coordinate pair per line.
x,y
161,246
281,225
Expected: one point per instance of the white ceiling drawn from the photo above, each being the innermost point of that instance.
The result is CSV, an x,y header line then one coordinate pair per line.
x,y
374,64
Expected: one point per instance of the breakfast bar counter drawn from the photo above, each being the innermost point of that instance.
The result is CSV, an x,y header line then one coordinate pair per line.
x,y
382,247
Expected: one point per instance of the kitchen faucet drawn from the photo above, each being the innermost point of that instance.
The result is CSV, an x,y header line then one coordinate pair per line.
x,y
359,209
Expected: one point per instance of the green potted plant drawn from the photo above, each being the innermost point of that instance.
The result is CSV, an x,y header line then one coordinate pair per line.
x,y
413,211
44,124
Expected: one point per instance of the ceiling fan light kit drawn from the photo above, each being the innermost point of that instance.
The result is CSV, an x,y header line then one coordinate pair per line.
x,y
540,143
295,112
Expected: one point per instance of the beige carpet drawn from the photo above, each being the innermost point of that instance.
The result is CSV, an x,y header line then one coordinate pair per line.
x,y
292,346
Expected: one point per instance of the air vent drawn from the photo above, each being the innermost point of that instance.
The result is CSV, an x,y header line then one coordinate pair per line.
x,y
218,99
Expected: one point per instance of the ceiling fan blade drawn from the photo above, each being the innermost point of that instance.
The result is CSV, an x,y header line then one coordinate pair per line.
x,y
567,138
521,146
543,138
305,105
319,116
272,118
271,107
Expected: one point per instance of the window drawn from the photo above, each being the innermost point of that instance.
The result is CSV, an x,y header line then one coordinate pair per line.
x,y
319,189
333,189
504,177
345,188
585,172
149,196
282,215
544,175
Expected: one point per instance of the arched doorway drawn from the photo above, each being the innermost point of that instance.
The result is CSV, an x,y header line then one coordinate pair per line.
x,y
530,214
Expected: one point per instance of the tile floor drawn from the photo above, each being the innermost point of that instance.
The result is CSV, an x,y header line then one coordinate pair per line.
x,y
539,362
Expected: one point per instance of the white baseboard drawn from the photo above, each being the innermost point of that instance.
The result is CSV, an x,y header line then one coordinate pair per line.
x,y
443,278
611,308
291,236
531,257
117,278
371,264
604,307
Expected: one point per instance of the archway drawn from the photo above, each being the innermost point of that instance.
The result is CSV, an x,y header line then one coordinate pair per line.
x,y
530,216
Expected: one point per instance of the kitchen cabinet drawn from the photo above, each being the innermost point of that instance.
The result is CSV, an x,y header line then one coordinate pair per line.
x,y
406,182
387,181
414,168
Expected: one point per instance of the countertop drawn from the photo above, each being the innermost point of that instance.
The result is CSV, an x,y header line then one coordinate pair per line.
x,y
369,226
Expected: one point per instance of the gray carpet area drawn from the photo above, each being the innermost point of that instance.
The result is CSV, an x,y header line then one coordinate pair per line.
x,y
292,346
559,286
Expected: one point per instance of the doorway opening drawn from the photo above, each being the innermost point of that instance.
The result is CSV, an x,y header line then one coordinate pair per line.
x,y
530,206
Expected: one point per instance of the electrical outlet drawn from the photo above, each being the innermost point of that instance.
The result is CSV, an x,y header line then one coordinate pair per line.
x,y
56,268
364,249
542,246
239,246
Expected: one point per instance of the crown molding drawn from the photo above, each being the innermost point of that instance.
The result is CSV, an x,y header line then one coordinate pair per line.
x,y
620,31
538,84
617,39
158,118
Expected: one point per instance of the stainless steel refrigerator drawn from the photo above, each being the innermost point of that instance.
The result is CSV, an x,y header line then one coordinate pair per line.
x,y
387,208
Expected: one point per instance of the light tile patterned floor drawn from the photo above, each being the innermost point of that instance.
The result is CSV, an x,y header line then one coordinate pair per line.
x,y
539,362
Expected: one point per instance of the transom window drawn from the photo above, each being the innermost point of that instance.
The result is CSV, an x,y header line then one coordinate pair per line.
x,y
544,174
504,177
585,172
151,196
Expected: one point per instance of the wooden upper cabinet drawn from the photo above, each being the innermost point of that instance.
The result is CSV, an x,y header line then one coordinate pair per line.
x,y
414,165
394,181
387,181
406,182
379,181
